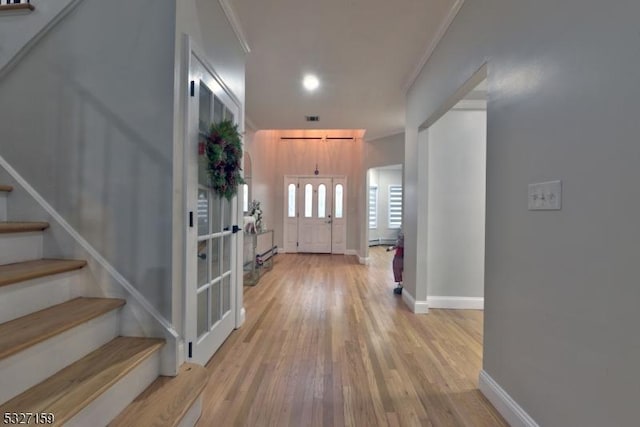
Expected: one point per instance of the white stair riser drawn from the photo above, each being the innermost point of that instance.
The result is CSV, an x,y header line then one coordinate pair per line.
x,y
113,401
35,364
18,247
193,414
3,206
22,298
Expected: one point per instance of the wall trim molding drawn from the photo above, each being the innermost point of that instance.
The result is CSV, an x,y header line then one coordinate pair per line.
x,y
442,30
119,278
456,303
235,24
417,307
508,408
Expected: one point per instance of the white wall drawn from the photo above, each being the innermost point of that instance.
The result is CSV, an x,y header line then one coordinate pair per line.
x,y
88,120
262,180
457,175
561,287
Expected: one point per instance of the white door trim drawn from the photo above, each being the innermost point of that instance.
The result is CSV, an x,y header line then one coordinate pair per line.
x,y
191,50
288,227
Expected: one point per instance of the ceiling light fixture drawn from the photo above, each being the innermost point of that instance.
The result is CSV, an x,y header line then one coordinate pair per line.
x,y
310,82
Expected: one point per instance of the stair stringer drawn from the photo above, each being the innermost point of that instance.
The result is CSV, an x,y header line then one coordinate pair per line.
x,y
99,278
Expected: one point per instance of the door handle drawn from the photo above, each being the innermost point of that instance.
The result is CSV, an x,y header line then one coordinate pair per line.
x,y
329,222
202,256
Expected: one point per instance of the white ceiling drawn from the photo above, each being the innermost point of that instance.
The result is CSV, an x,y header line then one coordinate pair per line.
x,y
365,53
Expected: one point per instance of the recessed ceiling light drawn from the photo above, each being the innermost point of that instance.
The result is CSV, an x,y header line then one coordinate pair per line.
x,y
310,82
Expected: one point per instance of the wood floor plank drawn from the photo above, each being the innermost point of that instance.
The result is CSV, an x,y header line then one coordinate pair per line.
x,y
327,343
166,401
23,332
21,271
21,227
74,387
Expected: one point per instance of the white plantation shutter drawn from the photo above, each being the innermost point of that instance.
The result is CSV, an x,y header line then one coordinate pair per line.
x,y
373,207
395,206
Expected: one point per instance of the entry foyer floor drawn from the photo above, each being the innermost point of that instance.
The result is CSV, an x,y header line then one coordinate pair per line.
x,y
327,343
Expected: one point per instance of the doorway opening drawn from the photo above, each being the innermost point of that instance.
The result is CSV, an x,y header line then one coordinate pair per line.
x,y
455,158
384,205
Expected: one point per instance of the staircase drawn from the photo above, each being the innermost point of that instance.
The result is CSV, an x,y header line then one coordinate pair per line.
x,y
61,356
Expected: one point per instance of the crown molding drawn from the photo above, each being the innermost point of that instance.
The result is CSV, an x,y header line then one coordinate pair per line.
x,y
235,24
434,43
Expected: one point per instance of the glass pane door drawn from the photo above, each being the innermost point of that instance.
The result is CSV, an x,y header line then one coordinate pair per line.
x,y
211,249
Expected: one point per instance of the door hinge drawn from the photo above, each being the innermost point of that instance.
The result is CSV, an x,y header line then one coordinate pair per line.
x,y
190,349
191,219
193,88
298,185
297,244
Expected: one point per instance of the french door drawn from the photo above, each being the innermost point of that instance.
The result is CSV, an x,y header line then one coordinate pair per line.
x,y
315,214
211,276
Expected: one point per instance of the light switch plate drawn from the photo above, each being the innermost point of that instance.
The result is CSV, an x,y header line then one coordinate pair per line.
x,y
545,196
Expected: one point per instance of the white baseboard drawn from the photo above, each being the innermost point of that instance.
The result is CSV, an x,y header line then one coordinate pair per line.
x,y
508,408
417,307
243,316
456,303
364,261
351,252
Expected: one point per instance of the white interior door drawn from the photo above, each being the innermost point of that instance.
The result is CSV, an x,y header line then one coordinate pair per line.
x,y
211,243
314,223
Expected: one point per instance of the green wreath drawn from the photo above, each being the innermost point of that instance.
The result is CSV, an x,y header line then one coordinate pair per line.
x,y
223,149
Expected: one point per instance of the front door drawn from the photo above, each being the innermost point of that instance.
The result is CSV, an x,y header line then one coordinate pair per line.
x,y
314,223
211,244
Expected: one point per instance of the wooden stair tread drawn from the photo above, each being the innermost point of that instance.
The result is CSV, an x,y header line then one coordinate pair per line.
x,y
166,401
19,6
22,227
6,188
27,270
23,332
68,391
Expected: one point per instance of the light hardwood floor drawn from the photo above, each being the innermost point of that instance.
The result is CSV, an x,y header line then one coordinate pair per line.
x,y
326,343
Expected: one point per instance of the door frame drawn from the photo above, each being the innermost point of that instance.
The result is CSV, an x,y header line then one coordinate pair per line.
x,y
189,306
335,179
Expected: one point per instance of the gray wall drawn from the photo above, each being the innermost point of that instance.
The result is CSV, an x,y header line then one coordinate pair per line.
x,y
561,287
87,119
384,151
457,175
